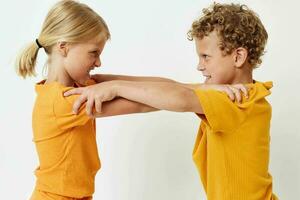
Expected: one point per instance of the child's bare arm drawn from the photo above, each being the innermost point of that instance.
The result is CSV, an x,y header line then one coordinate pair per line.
x,y
121,106
232,92
159,95
111,77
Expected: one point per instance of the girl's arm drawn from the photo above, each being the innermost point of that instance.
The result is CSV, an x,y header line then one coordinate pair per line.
x,y
231,92
111,77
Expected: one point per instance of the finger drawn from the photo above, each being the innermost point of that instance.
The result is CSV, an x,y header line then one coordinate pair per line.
x,y
98,105
74,91
89,106
243,88
237,93
78,103
229,93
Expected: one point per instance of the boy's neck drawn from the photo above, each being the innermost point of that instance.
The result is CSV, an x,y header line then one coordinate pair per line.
x,y
243,75
243,80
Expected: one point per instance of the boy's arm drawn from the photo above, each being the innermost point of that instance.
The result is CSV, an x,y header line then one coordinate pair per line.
x,y
173,96
159,95
121,106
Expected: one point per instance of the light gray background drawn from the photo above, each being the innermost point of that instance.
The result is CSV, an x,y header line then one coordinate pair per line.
x,y
148,156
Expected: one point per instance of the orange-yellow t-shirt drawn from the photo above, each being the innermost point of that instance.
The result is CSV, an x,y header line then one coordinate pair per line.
x,y
65,143
232,147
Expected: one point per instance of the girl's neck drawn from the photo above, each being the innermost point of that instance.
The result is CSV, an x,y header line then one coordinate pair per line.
x,y
57,73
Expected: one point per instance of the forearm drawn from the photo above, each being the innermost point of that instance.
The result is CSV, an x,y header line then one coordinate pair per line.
x,y
110,77
121,106
193,86
161,95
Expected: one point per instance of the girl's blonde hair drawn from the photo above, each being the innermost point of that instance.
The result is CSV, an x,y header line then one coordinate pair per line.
x,y
67,21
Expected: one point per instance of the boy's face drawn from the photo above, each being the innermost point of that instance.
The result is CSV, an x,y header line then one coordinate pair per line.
x,y
84,57
217,68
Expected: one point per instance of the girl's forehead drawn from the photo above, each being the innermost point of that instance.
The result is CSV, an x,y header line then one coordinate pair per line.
x,y
99,38
97,41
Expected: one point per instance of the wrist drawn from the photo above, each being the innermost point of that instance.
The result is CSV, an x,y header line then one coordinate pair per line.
x,y
117,86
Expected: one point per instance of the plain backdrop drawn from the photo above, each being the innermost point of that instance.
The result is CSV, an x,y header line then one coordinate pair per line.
x,y
148,156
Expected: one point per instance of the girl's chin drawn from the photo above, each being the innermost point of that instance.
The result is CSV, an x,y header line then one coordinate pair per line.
x,y
83,82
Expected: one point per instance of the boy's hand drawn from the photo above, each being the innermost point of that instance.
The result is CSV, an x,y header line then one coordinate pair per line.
x,y
234,92
93,95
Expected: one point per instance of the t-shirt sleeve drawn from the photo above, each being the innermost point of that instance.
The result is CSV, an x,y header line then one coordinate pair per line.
x,y
63,109
222,114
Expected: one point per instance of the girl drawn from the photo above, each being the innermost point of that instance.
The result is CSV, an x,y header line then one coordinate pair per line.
x,y
73,36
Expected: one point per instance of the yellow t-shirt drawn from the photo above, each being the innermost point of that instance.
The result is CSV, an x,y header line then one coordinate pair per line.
x,y
232,147
65,143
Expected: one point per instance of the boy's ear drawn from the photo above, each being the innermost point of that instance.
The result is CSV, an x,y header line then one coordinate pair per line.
x,y
63,48
240,56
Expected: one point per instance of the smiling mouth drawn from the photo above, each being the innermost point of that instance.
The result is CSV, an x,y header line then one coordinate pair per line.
x,y
88,71
207,76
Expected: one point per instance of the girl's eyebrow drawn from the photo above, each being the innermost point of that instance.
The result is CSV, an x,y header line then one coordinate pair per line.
x,y
95,48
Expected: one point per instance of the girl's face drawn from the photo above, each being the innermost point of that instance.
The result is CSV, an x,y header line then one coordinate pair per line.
x,y
81,58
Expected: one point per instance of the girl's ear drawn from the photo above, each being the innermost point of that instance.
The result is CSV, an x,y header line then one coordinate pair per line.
x,y
63,48
240,56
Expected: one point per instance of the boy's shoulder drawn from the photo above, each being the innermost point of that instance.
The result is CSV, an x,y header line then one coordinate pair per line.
x,y
225,115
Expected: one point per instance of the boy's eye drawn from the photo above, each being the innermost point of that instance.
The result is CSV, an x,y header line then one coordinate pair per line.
x,y
205,57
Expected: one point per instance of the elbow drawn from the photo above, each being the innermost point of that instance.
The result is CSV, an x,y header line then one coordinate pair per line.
x,y
183,105
145,109
189,102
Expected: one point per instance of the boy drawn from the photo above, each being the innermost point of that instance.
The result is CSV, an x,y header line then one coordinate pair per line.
x,y
232,147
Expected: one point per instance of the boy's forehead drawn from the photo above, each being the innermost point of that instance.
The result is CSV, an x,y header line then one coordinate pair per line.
x,y
210,41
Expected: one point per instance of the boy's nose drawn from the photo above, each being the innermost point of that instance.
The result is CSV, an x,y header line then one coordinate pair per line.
x,y
200,67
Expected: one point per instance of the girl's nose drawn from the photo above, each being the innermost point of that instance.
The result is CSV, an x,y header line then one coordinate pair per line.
x,y
98,62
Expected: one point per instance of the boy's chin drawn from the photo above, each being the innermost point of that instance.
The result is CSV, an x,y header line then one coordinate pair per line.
x,y
208,81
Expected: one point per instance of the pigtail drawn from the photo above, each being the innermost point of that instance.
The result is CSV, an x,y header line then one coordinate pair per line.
x,y
26,61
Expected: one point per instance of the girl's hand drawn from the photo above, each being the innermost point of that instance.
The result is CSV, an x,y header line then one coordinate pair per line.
x,y
234,92
93,95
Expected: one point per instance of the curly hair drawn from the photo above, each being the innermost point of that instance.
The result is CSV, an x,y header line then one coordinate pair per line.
x,y
236,25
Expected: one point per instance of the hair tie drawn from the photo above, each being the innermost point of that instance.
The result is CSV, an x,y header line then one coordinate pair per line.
x,y
37,42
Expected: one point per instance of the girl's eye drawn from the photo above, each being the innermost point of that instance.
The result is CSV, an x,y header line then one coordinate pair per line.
x,y
95,53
